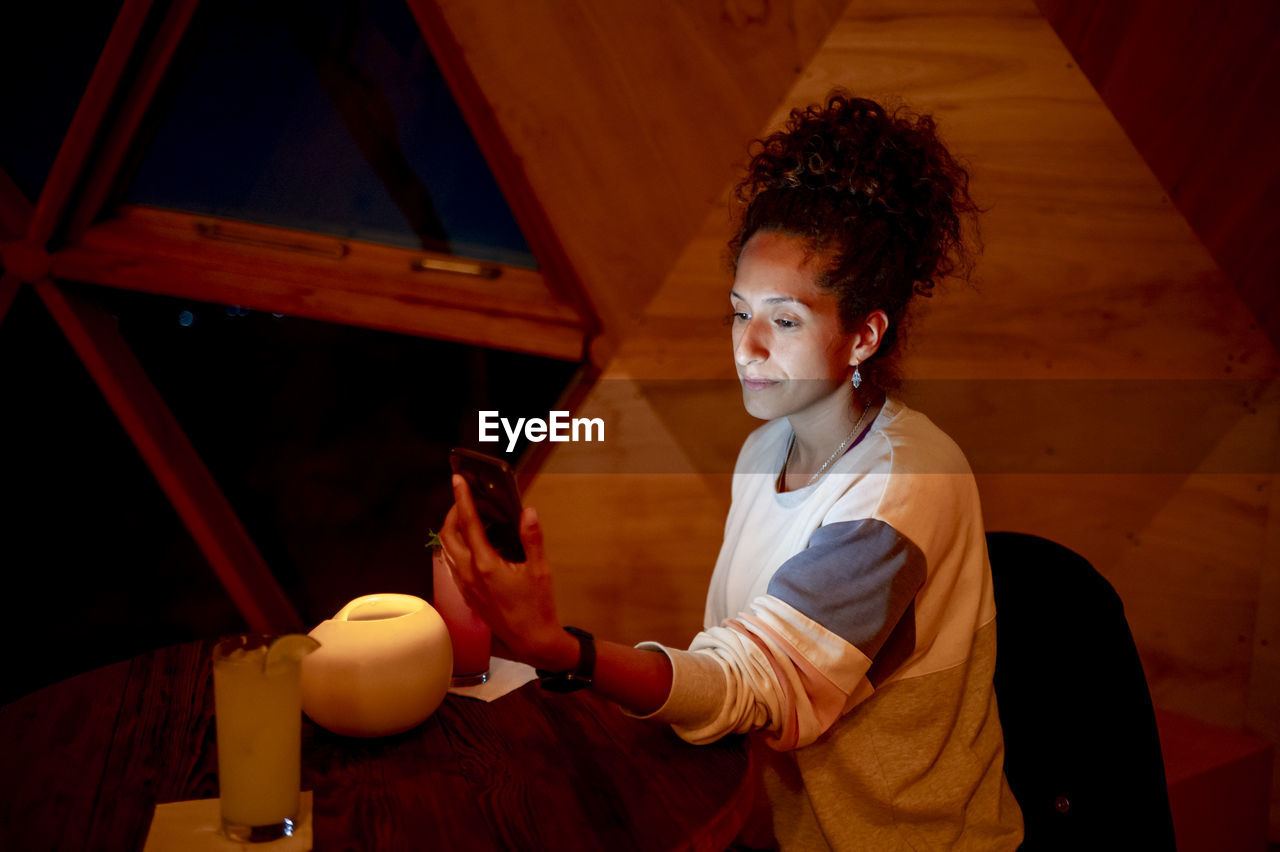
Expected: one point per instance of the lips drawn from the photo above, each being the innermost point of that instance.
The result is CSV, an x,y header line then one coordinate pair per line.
x,y
757,384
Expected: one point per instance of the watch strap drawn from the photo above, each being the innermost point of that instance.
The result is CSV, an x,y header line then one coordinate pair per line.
x,y
578,677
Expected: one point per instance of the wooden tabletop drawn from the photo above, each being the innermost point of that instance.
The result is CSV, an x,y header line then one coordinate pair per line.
x,y
84,762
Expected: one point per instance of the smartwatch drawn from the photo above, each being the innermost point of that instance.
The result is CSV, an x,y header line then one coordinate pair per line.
x,y
578,677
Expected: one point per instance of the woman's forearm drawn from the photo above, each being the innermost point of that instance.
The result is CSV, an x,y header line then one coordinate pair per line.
x,y
637,679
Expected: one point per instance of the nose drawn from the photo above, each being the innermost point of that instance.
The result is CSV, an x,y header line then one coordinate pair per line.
x,y
748,347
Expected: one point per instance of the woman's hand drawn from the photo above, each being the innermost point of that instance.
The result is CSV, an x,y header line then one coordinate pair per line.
x,y
515,599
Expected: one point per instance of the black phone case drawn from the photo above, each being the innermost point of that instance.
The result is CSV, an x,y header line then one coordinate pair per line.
x,y
497,500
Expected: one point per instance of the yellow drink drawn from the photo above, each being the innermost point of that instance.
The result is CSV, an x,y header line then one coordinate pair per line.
x,y
258,709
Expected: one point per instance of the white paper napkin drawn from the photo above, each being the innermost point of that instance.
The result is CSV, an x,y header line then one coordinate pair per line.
x,y
196,826
504,676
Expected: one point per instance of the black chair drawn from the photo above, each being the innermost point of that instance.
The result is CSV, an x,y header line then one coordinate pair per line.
x,y
1082,753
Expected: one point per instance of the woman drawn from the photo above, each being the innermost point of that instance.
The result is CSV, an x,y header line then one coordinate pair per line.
x,y
850,620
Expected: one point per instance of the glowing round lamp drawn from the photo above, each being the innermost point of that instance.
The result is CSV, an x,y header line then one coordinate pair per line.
x,y
383,666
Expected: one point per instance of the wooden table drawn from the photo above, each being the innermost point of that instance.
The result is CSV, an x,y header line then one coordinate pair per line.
x,y
84,762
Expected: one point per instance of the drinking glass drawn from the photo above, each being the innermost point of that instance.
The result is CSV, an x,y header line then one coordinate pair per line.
x,y
467,631
258,709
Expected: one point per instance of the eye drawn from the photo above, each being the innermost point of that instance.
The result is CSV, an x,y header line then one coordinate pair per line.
x,y
736,316
786,323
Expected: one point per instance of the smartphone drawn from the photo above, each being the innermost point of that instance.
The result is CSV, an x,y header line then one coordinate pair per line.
x,y
493,489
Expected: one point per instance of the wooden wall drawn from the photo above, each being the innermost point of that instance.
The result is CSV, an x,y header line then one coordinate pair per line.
x,y
1093,292
1195,83
627,116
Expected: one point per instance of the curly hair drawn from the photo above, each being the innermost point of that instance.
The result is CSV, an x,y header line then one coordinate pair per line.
x,y
876,193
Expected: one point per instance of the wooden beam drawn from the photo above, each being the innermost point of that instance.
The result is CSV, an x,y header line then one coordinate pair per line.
x,y
310,275
535,455
173,460
124,125
15,209
562,278
623,120
85,126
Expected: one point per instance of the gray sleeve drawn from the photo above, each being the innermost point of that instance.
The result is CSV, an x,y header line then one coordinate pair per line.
x,y
856,578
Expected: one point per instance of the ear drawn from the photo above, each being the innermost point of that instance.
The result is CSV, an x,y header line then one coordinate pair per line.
x,y
868,336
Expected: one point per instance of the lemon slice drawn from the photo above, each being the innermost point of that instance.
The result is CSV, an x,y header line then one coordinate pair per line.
x,y
287,650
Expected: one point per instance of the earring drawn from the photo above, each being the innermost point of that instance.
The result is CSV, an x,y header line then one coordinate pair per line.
x,y
857,377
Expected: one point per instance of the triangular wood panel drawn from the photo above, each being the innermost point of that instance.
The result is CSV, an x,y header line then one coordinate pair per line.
x,y
1092,290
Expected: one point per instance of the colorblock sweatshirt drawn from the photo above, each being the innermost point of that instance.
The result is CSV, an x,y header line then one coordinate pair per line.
x,y
850,625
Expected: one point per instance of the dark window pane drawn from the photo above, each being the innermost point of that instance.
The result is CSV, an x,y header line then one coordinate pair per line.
x,y
97,565
328,116
331,442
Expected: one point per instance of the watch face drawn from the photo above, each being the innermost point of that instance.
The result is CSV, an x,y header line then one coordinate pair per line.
x,y
576,678
563,682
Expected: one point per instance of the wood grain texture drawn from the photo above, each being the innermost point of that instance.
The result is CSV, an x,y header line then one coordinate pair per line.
x,y
633,553
1194,84
1091,282
601,776
319,277
163,747
54,759
529,771
626,117
403,792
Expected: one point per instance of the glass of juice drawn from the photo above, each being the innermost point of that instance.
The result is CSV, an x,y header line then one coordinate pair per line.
x,y
467,631
258,710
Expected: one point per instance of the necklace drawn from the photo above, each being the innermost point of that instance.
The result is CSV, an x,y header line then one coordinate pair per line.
x,y
826,464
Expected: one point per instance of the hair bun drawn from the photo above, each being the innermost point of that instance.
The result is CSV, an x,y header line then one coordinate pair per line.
x,y
847,145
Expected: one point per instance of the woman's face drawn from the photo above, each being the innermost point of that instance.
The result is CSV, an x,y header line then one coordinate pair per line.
x,y
791,354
